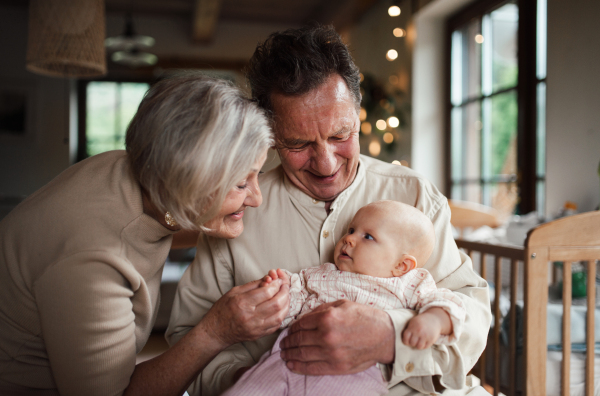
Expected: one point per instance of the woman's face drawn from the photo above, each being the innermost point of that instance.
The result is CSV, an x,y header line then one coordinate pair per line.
x,y
228,222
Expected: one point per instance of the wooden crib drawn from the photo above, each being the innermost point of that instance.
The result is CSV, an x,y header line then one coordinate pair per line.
x,y
530,270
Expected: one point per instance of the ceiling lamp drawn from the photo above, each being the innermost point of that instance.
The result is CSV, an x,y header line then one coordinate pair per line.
x,y
65,38
129,47
134,58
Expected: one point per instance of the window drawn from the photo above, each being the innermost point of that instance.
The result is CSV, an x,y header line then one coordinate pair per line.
x,y
109,107
496,145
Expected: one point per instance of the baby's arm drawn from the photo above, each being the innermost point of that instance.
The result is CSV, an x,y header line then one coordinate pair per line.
x,y
273,275
440,313
425,329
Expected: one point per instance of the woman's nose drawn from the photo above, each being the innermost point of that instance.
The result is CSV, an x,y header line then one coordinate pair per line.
x,y
254,197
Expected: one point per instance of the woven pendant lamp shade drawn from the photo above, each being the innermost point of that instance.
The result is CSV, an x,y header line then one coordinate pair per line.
x,y
66,38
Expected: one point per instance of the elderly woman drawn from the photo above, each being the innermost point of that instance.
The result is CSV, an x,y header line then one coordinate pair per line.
x,y
81,259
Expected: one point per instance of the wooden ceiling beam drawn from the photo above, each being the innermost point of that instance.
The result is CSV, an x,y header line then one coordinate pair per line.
x,y
343,14
149,7
204,20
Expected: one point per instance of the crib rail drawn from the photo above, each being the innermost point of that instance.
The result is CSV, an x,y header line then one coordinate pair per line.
x,y
568,240
496,253
571,239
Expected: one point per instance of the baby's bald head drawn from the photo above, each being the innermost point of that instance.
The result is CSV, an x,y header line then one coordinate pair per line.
x,y
413,230
385,239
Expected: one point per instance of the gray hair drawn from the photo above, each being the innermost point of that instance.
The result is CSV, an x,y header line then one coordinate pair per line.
x,y
192,139
296,61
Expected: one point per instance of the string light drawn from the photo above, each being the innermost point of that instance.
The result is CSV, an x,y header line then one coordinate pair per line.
x,y
388,137
399,32
391,55
479,39
393,122
365,128
380,124
394,11
363,114
374,148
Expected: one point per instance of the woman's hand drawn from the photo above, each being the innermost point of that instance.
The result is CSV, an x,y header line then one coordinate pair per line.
x,y
248,312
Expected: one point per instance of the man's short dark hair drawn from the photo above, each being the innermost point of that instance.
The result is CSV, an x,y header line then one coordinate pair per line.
x,y
296,61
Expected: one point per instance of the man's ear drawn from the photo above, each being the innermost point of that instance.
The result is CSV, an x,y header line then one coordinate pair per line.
x,y
407,263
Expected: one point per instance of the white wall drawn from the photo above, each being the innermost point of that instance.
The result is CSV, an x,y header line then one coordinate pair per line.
x,y
428,89
573,105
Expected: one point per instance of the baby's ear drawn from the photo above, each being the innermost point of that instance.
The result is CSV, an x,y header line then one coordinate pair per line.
x,y
407,263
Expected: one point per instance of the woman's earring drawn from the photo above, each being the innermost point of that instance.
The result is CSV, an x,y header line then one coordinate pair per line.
x,y
170,220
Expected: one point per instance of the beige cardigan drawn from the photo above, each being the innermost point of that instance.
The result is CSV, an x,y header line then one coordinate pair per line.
x,y
80,271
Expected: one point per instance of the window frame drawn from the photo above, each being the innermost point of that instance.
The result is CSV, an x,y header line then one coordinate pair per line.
x,y
526,89
82,108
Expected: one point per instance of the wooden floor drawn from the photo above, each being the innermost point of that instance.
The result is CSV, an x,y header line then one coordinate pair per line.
x,y
155,346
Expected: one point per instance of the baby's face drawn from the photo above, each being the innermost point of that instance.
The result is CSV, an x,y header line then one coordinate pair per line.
x,y
370,246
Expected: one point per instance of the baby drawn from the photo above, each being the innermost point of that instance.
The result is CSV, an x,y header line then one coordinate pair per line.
x,y
377,264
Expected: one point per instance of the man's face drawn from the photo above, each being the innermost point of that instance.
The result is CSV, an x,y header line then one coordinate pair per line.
x,y
317,138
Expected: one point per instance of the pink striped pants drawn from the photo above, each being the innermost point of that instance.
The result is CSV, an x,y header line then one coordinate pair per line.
x,y
270,376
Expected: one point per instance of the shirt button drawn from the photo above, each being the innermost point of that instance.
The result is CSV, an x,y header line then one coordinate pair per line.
x,y
315,201
325,234
409,367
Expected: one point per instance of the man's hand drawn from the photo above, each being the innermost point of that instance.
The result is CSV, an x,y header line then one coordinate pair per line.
x,y
342,337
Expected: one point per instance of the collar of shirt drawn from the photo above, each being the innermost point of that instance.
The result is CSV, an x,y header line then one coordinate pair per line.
x,y
308,201
327,238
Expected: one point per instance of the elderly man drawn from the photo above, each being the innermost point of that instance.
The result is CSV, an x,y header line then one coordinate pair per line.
x,y
309,85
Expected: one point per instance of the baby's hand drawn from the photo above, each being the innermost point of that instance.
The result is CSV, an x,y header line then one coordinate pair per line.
x,y
425,329
273,275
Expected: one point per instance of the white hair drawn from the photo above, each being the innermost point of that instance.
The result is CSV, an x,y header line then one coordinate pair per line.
x,y
192,139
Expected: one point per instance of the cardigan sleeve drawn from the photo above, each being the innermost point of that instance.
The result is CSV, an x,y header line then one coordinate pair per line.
x,y
207,279
453,270
88,326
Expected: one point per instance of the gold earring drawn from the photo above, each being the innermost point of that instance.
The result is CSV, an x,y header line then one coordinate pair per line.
x,y
170,220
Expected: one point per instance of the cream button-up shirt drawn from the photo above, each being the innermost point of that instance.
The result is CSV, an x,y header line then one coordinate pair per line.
x,y
293,231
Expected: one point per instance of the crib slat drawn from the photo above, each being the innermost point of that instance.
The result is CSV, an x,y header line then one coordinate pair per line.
x,y
483,359
512,330
590,331
498,288
566,328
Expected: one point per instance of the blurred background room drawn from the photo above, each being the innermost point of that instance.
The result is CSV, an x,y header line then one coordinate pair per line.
x,y
496,102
